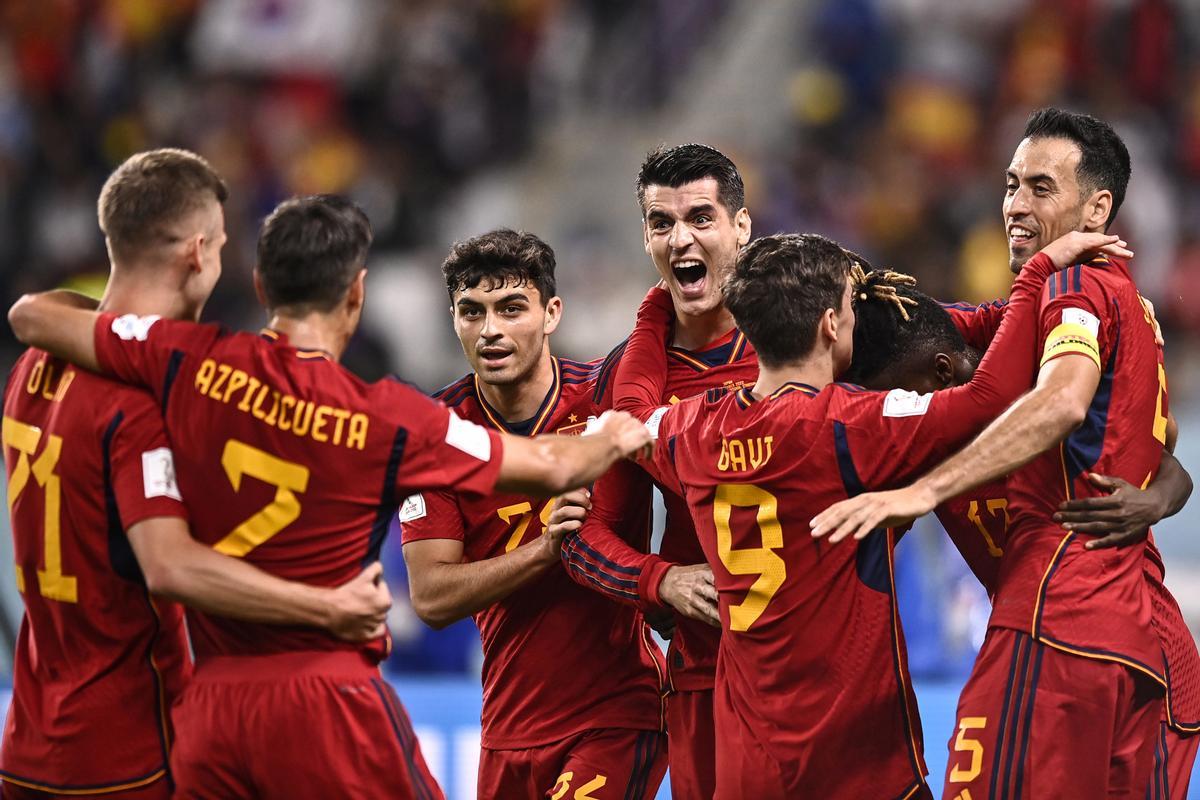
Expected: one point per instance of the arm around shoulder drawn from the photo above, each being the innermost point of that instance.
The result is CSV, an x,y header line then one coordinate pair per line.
x,y
59,322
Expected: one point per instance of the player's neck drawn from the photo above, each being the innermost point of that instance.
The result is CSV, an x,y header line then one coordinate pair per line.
x,y
122,297
314,331
520,400
697,331
816,371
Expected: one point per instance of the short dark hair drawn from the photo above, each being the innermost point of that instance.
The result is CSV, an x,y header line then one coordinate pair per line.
x,y
781,285
883,337
502,256
1105,162
149,192
309,251
684,163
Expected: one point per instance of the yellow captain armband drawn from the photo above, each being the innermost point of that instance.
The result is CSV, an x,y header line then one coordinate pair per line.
x,y
1070,337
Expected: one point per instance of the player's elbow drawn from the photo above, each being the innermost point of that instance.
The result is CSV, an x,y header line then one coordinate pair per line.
x,y
430,610
164,578
1073,409
23,318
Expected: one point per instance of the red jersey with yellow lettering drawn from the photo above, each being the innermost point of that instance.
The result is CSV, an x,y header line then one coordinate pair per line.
x,y
812,686
1089,603
557,658
289,460
601,557
1182,709
98,661
977,523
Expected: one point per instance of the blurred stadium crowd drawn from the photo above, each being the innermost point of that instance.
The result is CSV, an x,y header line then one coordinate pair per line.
x,y
902,114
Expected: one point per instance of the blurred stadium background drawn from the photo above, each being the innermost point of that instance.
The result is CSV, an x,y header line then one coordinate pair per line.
x,y
885,124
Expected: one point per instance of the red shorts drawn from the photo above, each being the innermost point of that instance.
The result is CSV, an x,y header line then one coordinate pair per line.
x,y
692,750
1174,756
295,725
1034,721
157,790
606,763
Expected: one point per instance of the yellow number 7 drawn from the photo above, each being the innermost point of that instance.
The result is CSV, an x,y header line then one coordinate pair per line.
x,y
762,561
287,477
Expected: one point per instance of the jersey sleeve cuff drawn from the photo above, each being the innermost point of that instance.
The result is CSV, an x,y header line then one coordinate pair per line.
x,y
648,581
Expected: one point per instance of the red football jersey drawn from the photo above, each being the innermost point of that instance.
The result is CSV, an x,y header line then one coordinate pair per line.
x,y
98,661
812,665
986,509
601,557
1089,603
288,460
977,523
545,676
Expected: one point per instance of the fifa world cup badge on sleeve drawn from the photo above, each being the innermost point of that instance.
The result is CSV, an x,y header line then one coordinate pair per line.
x,y
901,403
158,474
131,327
413,508
472,439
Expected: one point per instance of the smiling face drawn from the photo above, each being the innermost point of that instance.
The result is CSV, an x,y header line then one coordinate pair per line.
x,y
504,329
1043,199
693,241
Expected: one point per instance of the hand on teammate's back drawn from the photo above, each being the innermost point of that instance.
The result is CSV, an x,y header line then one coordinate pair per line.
x,y
1078,247
360,606
1122,517
691,591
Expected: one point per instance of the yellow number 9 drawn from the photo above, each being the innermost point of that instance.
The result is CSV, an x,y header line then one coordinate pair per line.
x,y
761,561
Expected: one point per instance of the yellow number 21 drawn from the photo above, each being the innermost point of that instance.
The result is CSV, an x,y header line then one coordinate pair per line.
x,y
762,561
287,477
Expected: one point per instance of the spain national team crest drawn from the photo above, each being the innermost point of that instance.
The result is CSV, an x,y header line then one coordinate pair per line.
x,y
574,427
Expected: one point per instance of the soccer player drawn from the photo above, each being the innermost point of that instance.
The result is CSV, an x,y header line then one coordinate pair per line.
x,y
913,343
812,694
99,527
568,708
297,466
1070,644
694,220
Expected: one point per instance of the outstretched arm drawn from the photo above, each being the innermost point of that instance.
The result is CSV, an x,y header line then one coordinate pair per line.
x,y
60,322
1034,423
178,567
548,465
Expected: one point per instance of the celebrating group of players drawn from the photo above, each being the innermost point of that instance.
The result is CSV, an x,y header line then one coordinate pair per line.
x,y
253,479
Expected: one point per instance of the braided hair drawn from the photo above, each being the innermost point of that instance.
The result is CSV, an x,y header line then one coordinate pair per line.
x,y
893,322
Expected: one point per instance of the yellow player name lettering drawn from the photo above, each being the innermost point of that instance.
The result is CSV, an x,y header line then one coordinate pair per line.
x,y
225,384
42,381
739,455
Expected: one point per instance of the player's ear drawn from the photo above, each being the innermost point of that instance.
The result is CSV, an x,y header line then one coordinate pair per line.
x,y
553,315
646,236
356,295
828,326
741,221
195,252
1096,210
943,370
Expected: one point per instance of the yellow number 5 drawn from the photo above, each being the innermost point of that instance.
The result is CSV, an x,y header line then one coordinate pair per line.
x,y
964,745
287,477
52,583
761,561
